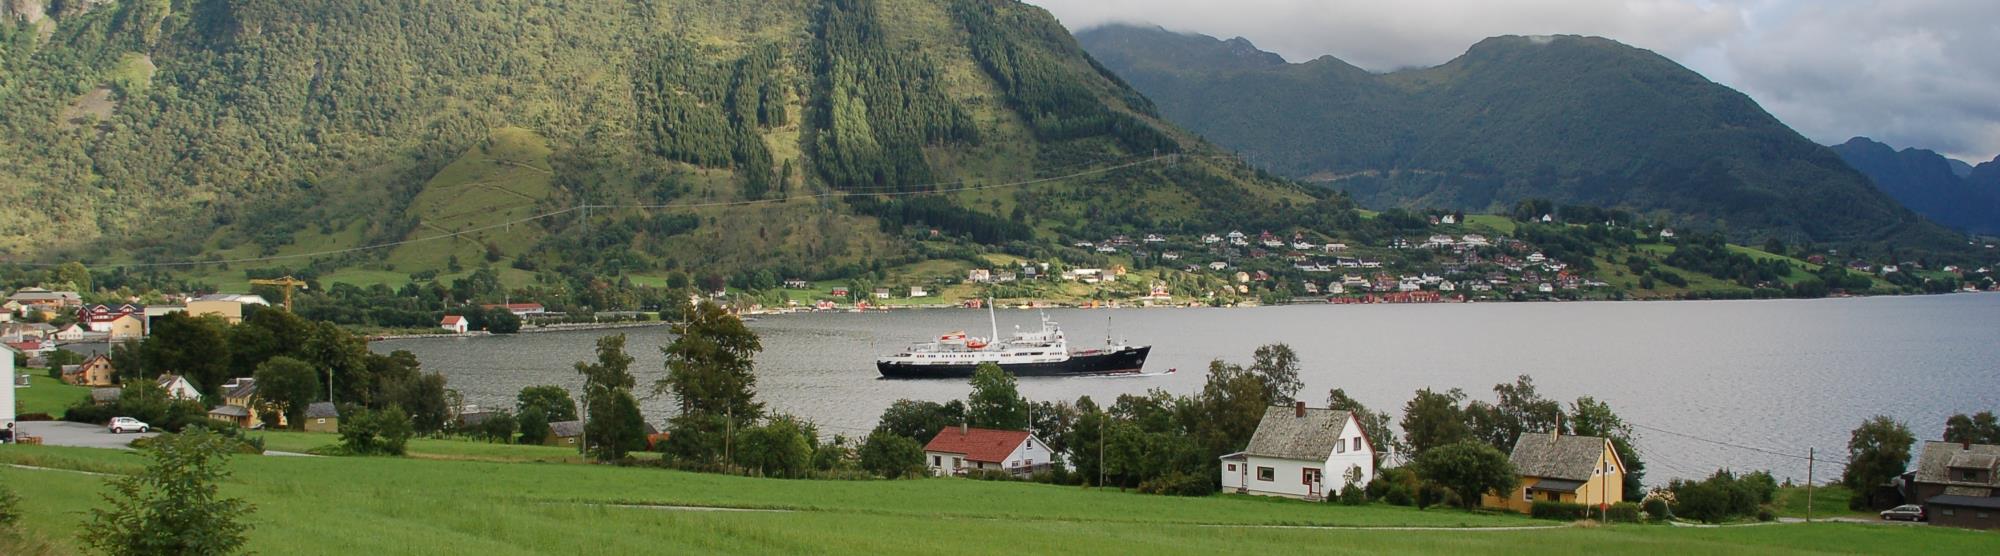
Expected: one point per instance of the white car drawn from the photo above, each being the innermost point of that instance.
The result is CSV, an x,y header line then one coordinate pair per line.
x,y
121,425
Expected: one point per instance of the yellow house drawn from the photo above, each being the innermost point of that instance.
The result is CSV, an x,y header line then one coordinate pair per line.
x,y
230,311
131,326
1556,468
239,405
95,371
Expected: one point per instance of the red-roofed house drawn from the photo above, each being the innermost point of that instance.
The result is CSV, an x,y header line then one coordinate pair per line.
x,y
956,450
456,324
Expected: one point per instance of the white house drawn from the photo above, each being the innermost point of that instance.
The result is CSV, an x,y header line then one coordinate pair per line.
x,y
1301,452
178,387
956,450
456,324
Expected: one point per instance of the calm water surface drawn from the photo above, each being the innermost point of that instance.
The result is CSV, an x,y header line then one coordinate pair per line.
x,y
1776,375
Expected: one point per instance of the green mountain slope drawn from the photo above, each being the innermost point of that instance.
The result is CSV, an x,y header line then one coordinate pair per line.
x,y
1572,119
707,134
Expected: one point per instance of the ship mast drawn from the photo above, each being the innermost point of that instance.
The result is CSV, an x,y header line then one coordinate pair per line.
x,y
993,320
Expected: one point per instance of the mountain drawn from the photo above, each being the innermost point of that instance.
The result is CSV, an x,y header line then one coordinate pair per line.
x,y
1959,167
1929,183
1571,119
611,137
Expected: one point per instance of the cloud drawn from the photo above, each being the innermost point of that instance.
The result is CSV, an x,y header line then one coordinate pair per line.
x,y
1908,72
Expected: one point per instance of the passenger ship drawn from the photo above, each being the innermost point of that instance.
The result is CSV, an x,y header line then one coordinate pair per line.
x,y
1042,353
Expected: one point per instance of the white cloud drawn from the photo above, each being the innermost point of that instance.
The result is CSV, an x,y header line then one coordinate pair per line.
x,y
1909,72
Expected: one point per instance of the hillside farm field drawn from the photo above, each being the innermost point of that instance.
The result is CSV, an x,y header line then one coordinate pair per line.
x,y
395,506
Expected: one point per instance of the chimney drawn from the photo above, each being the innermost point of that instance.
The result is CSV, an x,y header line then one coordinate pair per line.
x,y
1299,409
964,429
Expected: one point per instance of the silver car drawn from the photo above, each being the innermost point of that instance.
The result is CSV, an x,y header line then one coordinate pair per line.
x,y
1906,512
121,425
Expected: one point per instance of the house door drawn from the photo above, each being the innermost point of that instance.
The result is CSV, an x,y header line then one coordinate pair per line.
x,y
1311,478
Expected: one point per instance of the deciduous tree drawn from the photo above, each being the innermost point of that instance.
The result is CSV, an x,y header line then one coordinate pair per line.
x,y
1879,450
995,401
174,506
288,385
1469,467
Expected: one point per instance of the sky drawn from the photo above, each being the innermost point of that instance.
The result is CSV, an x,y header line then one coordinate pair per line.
x,y
1910,73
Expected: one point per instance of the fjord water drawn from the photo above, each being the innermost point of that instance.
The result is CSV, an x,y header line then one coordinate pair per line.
x,y
1777,376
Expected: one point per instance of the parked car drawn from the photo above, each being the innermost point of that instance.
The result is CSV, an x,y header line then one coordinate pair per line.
x,y
1906,512
121,425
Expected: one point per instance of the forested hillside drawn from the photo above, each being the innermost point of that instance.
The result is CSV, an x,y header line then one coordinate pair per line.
x,y
1931,184
579,138
1573,119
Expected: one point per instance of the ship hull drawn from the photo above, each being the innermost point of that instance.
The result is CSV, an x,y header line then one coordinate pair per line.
x,y
1120,361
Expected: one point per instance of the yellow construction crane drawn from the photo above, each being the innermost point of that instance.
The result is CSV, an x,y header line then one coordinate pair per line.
x,y
287,283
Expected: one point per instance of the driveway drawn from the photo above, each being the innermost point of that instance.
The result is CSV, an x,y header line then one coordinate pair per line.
x,y
58,433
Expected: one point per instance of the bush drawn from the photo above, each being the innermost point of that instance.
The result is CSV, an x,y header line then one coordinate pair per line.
x,y
28,417
1176,483
892,456
1623,512
990,475
1718,498
1765,514
1351,495
385,432
1656,509
173,507
1560,511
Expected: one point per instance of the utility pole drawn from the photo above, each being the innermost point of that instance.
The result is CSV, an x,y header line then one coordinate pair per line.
x,y
1100,448
1811,453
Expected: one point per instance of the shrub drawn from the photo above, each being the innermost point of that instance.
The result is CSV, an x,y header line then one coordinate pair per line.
x,y
385,432
1656,508
1560,511
1624,512
173,507
1400,495
1351,495
989,475
1765,514
25,417
1176,483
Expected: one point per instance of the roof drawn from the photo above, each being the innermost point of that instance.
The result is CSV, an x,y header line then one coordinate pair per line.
x,y
474,418
1557,457
230,411
566,429
452,319
245,388
1935,461
322,409
1987,502
105,394
167,380
1283,434
246,299
977,444
31,295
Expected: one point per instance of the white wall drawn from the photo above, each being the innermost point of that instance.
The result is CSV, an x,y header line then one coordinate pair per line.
x,y
1338,462
6,386
1285,477
1288,475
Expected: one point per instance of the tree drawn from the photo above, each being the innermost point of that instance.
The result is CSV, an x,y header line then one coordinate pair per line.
x,y
1433,419
1979,428
615,427
1226,413
780,447
1878,451
995,402
1589,417
1277,366
500,320
385,432
289,385
498,427
76,275
534,425
1468,467
195,347
919,421
174,506
892,456
553,400
1375,424
710,370
1517,409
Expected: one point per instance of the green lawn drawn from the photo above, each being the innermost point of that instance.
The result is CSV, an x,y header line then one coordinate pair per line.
x,y
432,448
1827,501
45,394
409,505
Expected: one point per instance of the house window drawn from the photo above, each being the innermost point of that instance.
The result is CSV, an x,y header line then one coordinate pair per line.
x,y
322,421
1031,443
1232,467
956,463
1340,448
1968,475
937,461
1307,475
1357,443
1947,512
1982,515
1266,474
1527,495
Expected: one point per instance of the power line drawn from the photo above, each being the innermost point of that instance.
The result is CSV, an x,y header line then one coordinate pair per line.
x,y
1765,451
588,207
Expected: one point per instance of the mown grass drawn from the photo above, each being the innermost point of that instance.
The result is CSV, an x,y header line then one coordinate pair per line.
x,y
406,505
431,448
45,394
1827,501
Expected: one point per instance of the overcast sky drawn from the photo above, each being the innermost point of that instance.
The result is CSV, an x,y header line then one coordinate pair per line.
x,y
1911,73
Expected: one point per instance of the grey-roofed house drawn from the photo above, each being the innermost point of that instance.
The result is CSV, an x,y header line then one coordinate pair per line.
x,y
1556,467
1298,451
564,433
322,417
105,396
1958,484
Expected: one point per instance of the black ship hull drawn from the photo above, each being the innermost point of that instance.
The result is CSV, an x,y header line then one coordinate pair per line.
x,y
1109,362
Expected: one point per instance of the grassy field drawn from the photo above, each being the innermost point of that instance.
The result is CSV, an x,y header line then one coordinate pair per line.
x,y
411,505
1827,501
45,394
432,448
